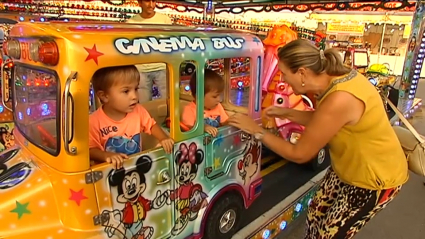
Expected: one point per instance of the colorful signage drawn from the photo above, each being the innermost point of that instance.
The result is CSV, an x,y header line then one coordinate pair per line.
x,y
338,28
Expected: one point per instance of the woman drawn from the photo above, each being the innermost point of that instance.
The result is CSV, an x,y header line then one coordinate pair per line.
x,y
368,164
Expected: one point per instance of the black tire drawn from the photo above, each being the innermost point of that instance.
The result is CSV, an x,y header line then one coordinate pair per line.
x,y
320,161
229,204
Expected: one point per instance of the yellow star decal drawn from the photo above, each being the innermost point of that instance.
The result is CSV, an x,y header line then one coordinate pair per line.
x,y
217,163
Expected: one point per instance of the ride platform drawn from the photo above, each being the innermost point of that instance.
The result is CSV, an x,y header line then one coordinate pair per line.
x,y
286,194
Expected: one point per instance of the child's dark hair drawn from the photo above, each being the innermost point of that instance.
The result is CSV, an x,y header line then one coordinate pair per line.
x,y
106,77
212,81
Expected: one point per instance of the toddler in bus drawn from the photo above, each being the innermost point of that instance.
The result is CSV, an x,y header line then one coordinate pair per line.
x,y
214,114
116,126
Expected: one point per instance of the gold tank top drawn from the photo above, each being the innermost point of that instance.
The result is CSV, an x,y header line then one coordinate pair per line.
x,y
368,154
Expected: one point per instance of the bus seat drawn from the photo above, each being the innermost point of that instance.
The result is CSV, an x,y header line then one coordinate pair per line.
x,y
158,111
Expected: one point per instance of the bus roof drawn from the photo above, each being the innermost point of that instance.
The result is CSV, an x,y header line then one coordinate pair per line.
x,y
124,43
117,29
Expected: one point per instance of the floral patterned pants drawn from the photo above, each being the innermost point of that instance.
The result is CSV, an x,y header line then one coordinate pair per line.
x,y
339,210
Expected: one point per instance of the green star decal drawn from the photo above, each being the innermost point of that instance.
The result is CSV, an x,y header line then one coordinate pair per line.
x,y
21,209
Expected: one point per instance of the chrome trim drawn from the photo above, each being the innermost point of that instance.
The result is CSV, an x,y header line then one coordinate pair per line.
x,y
68,119
3,88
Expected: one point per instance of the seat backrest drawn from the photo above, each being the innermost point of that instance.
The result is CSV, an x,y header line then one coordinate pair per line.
x,y
158,111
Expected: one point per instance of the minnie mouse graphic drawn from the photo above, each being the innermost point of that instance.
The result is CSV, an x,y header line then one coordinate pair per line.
x,y
248,166
131,185
189,197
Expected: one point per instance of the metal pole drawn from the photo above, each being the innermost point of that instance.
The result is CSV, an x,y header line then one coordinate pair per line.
x,y
382,40
209,10
413,60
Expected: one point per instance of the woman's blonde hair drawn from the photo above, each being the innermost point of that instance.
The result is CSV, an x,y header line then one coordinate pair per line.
x,y
302,53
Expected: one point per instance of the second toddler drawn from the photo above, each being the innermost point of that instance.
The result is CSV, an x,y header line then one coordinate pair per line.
x,y
214,113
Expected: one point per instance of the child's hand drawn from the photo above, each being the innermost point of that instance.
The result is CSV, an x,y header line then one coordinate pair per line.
x,y
116,159
211,130
168,145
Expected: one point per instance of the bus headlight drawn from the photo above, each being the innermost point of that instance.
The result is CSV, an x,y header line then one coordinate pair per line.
x,y
13,49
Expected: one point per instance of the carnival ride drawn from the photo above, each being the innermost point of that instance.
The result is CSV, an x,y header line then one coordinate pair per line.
x,y
6,65
41,131
279,93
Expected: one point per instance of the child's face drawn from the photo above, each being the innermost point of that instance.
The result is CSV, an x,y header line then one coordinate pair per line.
x,y
211,99
122,97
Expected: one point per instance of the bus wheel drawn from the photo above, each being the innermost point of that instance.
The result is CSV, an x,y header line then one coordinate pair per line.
x,y
224,219
317,162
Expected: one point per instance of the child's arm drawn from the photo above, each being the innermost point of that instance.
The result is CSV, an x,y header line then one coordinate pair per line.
x,y
166,142
149,126
158,133
116,159
188,116
223,116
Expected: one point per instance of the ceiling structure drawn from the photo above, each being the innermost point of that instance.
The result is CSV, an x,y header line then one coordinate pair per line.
x,y
231,3
243,6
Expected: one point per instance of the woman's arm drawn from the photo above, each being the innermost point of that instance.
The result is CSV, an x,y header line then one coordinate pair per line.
x,y
324,124
299,117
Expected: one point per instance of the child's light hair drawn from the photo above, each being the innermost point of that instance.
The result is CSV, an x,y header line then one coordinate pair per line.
x,y
212,81
103,79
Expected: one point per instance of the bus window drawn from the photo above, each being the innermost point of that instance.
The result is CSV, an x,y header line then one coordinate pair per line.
x,y
217,65
187,71
240,81
35,106
153,82
153,95
155,104
92,100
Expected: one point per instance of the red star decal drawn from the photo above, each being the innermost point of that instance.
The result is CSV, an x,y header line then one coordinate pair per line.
x,y
77,196
93,53
237,139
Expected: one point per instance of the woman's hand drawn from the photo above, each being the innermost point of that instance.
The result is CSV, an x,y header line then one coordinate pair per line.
x,y
276,112
244,123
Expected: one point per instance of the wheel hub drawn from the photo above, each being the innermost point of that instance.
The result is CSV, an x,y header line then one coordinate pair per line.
x,y
321,156
227,221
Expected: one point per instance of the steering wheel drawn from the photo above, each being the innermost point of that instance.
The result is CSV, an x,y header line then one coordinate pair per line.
x,y
183,127
46,137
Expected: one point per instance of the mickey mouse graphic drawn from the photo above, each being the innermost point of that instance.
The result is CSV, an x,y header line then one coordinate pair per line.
x,y
248,165
189,196
131,185
6,138
14,175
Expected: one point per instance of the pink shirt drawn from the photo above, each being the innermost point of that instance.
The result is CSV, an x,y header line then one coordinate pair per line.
x,y
119,136
211,117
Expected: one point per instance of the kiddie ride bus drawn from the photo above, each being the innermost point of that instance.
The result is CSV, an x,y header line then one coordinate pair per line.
x,y
6,116
204,189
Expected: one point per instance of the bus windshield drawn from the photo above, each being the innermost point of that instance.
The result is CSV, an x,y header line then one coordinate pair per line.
x,y
36,98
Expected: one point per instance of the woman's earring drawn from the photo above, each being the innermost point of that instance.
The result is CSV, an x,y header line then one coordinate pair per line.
x,y
302,84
